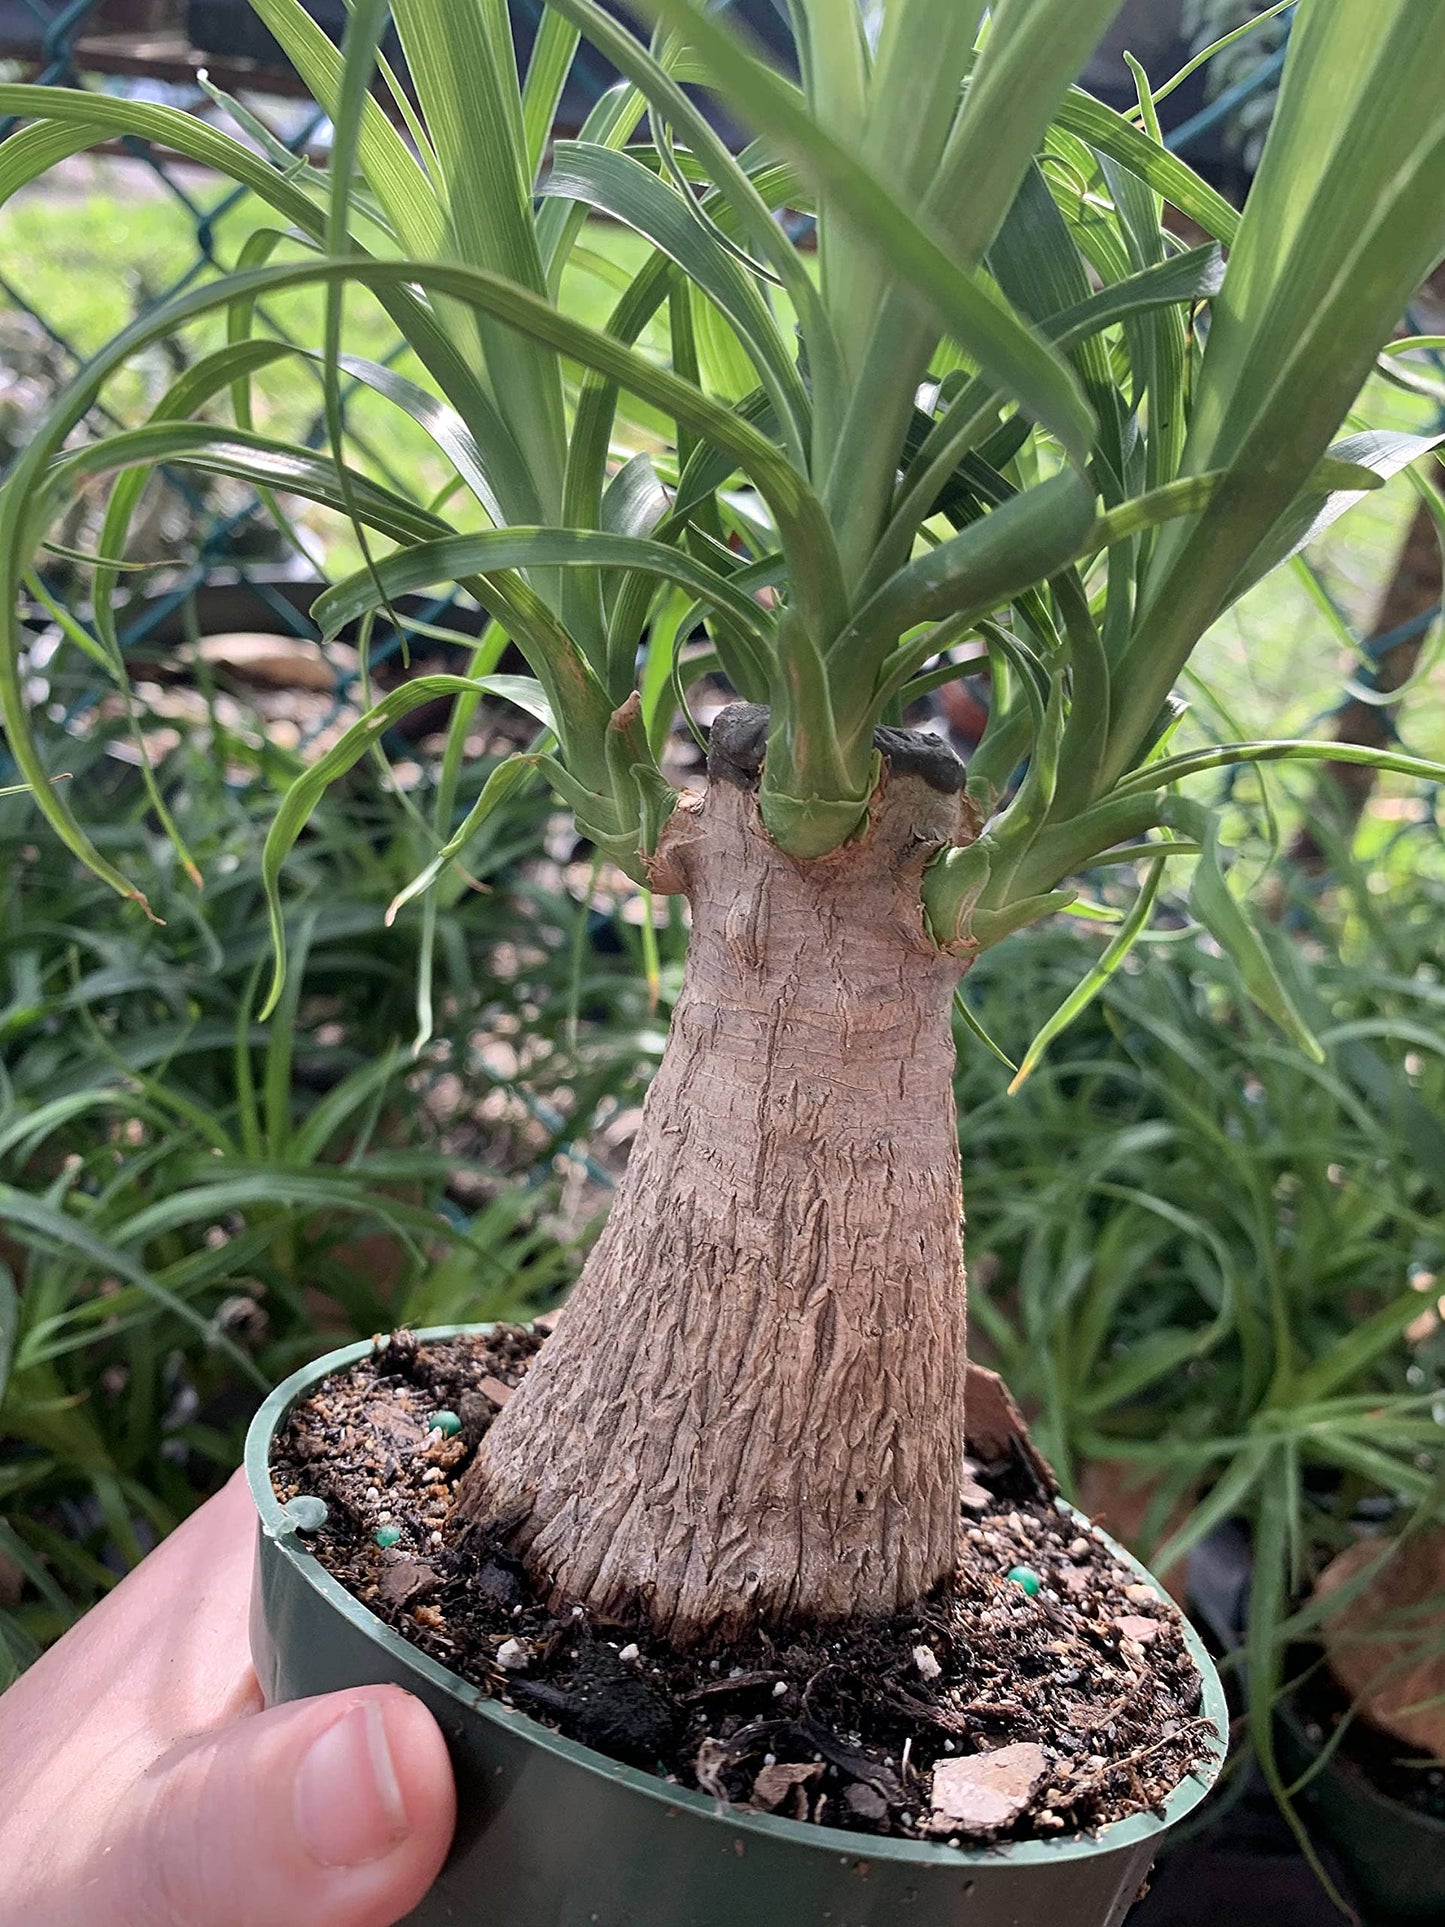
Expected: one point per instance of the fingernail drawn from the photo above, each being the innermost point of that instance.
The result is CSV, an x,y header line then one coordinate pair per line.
x,y
348,1803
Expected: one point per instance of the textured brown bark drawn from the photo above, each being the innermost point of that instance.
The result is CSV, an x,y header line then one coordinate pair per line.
x,y
753,1409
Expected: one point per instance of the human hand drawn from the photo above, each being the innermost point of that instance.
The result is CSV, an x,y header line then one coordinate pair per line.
x,y
141,1784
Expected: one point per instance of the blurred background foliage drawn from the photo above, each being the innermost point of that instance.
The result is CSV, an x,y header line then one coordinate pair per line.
x,y
1210,1267
191,1203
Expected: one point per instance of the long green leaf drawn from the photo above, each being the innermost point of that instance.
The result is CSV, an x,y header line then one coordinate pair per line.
x,y
14,1548
1089,987
924,49
1214,904
1032,50
1111,133
610,124
9,1326
652,78
1192,277
395,176
1338,481
1351,1357
453,558
467,83
504,782
1375,455
1300,749
1347,216
366,22
547,70
1029,537
620,186
306,792
284,466
966,305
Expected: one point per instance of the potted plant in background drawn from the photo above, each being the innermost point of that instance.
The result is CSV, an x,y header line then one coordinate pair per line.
x,y
989,433
1361,1732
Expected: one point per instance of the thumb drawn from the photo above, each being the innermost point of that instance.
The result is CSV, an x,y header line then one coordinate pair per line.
x,y
333,1812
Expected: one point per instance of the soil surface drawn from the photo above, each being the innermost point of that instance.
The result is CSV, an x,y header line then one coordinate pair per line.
x,y
992,1711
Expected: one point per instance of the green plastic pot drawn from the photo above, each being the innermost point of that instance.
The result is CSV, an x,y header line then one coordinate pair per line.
x,y
1394,1856
552,1834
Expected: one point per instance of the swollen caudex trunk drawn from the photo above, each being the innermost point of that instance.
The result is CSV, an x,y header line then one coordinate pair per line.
x,y
753,1409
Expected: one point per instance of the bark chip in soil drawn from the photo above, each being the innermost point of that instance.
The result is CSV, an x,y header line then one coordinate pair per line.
x,y
983,1715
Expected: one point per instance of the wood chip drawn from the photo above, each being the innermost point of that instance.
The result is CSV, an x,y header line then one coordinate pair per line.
x,y
400,1434
995,1427
712,1756
737,1683
495,1390
863,1803
847,1759
1140,1630
783,1784
476,1414
408,1579
986,1792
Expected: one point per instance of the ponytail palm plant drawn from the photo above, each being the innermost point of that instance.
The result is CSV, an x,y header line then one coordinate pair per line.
x,y
1000,419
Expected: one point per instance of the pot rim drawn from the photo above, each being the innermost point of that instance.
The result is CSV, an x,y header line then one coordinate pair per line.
x,y
1119,1834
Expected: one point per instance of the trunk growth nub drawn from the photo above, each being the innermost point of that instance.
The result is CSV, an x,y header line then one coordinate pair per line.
x,y
753,1408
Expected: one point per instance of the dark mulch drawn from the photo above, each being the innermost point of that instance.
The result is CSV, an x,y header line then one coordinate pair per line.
x,y
1092,1669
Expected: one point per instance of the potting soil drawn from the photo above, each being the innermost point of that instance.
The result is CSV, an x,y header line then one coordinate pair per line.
x,y
1045,1644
